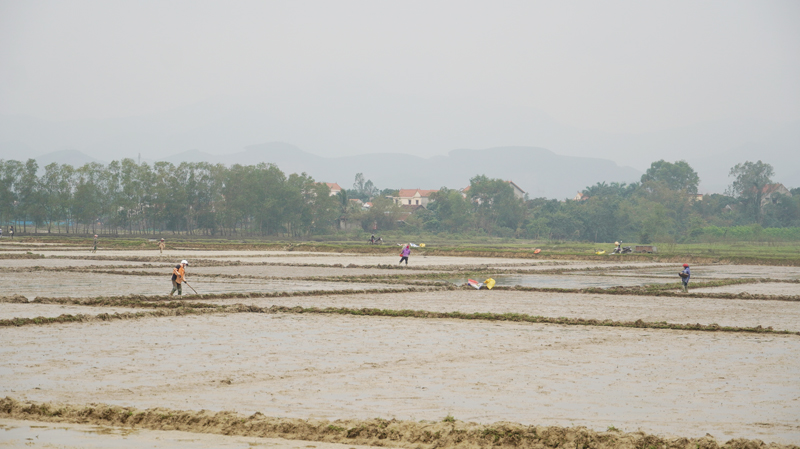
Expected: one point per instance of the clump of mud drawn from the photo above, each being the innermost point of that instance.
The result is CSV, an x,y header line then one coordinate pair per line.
x,y
15,299
374,432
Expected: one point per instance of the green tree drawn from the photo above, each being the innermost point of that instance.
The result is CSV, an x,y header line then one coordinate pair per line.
x,y
452,210
750,178
676,176
10,172
495,205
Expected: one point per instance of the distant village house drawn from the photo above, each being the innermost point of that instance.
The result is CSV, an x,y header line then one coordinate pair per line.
x,y
335,188
413,197
770,193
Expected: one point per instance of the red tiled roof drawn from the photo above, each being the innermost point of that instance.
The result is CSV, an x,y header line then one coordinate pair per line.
x,y
333,186
770,188
409,193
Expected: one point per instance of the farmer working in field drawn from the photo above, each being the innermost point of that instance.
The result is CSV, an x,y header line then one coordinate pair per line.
x,y
161,246
94,248
405,253
178,277
685,275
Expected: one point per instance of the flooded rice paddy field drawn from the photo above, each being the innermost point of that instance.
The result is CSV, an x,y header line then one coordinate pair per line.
x,y
279,271
312,366
771,288
564,281
667,382
81,284
11,310
76,263
391,257
718,271
781,315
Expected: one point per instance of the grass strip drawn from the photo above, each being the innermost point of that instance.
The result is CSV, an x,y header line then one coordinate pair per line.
x,y
406,313
445,434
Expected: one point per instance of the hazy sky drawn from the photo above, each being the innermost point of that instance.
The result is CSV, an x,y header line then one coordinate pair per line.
x,y
620,67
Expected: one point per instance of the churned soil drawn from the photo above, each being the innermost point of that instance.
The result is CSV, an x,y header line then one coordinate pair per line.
x,y
767,288
19,433
33,310
331,366
83,284
781,315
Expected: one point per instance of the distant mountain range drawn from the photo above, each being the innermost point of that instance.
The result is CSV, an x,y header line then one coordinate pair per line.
x,y
540,172
578,157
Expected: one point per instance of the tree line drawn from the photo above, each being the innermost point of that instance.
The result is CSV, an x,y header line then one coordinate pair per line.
x,y
663,206
191,198
207,199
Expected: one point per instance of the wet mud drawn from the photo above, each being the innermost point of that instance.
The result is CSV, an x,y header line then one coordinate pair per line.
x,y
543,356
82,284
65,435
344,367
726,312
129,423
772,288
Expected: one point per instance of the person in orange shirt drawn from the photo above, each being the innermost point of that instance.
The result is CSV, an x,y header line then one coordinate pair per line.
x,y
178,277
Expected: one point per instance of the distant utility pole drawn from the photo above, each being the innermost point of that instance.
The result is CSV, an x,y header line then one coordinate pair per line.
x,y
140,158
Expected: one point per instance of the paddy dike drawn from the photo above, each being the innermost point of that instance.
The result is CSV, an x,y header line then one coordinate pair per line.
x,y
346,367
229,429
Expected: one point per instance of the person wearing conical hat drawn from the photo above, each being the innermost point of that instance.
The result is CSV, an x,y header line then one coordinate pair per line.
x,y
161,246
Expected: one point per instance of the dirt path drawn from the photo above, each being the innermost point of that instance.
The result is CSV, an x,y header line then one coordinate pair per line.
x,y
664,382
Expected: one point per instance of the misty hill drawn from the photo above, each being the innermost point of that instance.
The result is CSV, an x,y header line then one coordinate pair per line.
x,y
538,171
225,127
72,157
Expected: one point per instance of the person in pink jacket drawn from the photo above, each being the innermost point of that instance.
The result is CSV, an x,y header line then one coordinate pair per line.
x,y
404,255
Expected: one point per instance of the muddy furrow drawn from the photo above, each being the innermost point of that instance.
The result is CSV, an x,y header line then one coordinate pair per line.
x,y
194,309
449,433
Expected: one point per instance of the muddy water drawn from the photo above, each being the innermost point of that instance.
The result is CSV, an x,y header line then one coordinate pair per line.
x,y
61,263
563,281
771,288
391,257
15,433
10,310
280,271
781,315
718,271
666,382
51,284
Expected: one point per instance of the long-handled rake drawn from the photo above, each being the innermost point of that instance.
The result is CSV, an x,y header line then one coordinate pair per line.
x,y
187,284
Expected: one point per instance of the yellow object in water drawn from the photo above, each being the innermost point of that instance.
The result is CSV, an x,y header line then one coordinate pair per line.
x,y
489,283
600,252
422,245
